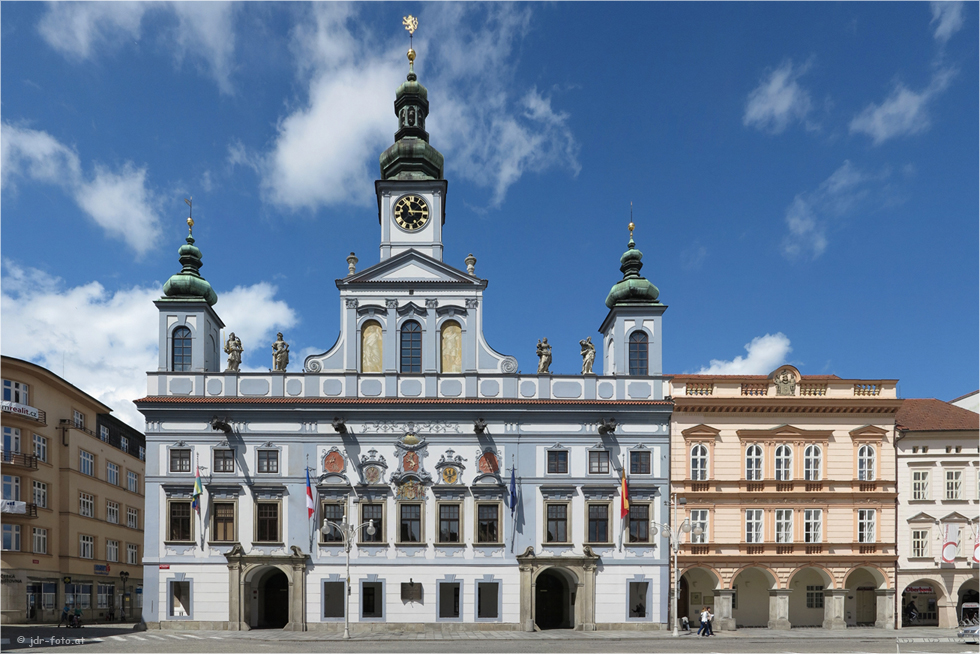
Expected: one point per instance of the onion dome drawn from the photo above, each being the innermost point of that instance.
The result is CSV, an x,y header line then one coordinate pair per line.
x,y
632,289
188,283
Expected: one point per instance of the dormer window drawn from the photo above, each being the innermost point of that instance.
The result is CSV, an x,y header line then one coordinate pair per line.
x,y
181,350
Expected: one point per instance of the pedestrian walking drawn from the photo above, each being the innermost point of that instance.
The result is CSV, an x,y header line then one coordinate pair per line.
x,y
703,628
711,616
64,616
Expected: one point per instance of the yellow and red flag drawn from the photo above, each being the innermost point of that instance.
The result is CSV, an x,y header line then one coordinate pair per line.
x,y
624,497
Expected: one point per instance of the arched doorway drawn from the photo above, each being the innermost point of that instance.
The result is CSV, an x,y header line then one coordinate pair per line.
x,y
553,601
270,599
806,602
861,604
924,596
968,601
750,603
697,591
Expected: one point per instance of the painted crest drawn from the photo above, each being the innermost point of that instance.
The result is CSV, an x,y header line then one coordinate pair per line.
x,y
372,474
411,490
410,462
333,462
488,463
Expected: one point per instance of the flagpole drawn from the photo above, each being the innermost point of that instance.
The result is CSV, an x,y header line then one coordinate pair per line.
x,y
312,523
513,508
200,526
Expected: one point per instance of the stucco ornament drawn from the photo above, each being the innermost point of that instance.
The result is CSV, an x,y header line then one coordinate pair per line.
x,y
785,383
233,348
280,354
588,355
544,356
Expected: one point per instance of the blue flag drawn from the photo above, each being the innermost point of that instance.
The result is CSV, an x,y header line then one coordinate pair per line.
x,y
513,490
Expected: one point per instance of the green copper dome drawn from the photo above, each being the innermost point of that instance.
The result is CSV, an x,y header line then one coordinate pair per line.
x,y
188,283
632,289
411,156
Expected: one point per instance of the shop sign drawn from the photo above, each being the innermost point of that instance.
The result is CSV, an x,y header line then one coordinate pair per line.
x,y
919,590
35,561
165,566
7,578
21,410
101,569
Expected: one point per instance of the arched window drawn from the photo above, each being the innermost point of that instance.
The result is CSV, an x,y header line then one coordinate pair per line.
x,y
753,462
699,462
866,463
451,347
784,463
811,463
181,349
411,347
371,347
639,353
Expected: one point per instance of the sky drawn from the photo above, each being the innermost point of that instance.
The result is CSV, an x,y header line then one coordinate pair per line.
x,y
803,176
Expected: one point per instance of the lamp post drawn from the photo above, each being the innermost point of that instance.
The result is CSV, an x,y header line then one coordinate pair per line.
x,y
347,533
125,577
674,537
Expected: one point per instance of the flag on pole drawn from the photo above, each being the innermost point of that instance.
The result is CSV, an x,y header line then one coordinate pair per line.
x,y
513,490
309,496
976,547
624,497
198,491
951,537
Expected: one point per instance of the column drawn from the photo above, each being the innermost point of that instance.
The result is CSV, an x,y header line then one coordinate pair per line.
x,y
779,608
527,599
885,608
833,608
724,620
583,598
297,599
234,597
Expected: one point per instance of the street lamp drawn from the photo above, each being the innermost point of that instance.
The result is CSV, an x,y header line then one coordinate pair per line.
x,y
674,537
347,532
125,577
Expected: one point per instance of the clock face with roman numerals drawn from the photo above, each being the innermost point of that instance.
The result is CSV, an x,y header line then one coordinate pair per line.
x,y
411,212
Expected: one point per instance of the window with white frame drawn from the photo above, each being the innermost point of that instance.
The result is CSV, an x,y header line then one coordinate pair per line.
x,y
41,494
133,518
784,463
112,551
920,484
78,419
640,463
11,440
784,525
112,473
812,525
753,525
598,462
699,462
753,462
112,512
142,453
40,540
11,538
124,444
132,554
86,463
86,547
180,460
86,505
106,595
920,543
15,392
104,433
866,463
40,447
557,462
954,484
224,460
268,461
866,525
133,481
11,488
699,518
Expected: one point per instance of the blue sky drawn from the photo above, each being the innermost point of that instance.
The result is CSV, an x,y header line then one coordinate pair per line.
x,y
804,176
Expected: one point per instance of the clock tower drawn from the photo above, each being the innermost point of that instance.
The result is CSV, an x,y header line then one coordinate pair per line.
x,y
412,189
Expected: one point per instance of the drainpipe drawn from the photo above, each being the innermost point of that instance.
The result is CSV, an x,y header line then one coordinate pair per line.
x,y
899,435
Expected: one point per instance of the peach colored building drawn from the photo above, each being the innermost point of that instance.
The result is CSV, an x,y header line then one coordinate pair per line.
x,y
792,479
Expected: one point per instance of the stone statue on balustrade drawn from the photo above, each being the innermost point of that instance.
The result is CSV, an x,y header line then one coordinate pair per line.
x,y
588,355
280,354
233,348
544,356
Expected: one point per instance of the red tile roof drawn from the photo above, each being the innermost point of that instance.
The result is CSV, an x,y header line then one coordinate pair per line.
x,y
935,415
761,377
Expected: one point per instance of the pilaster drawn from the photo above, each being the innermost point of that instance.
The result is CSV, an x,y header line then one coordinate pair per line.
x,y
885,608
779,608
833,608
724,619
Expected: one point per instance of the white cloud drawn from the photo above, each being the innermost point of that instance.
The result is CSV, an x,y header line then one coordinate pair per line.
x,y
778,100
119,202
765,354
105,341
949,16
901,113
86,30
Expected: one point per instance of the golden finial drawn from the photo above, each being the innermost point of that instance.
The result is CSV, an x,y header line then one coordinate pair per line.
x,y
190,219
411,23
631,225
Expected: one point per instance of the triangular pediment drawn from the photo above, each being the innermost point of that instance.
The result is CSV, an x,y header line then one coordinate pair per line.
x,y
701,431
784,432
411,267
955,516
922,517
868,431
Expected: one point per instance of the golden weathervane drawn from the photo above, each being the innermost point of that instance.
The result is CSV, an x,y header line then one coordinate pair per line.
x,y
411,23
631,225
190,219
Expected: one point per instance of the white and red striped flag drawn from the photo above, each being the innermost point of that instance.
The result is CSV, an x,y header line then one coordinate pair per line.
x,y
310,507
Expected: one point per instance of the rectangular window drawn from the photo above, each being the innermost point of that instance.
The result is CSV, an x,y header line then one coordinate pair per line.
x,y
699,518
488,525
50,592
638,599
86,547
11,440
954,484
372,599
812,525
598,523
866,525
487,594
112,512
449,600
224,522
334,599
79,596
180,521
268,522
40,447
40,540
639,463
106,596
124,444
784,525
449,523
78,419
409,523
920,484
639,523
180,460
142,453
112,473
269,461
598,462
86,463
133,482
333,513
920,543
814,597
557,523
15,392
133,518
558,462
753,525
11,488
112,551
224,461
180,599
11,538
86,505
104,433
373,512
41,494
132,554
